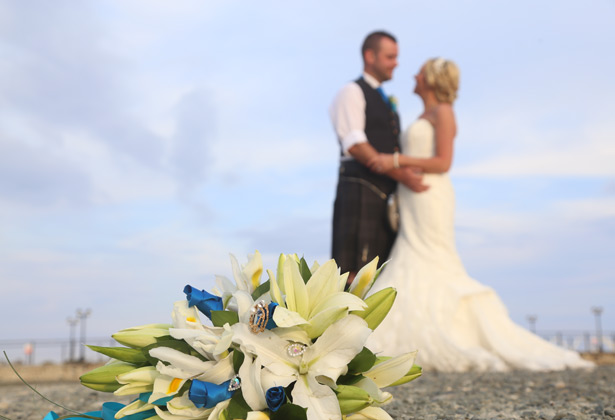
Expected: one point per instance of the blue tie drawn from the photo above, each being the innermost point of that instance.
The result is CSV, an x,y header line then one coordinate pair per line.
x,y
384,96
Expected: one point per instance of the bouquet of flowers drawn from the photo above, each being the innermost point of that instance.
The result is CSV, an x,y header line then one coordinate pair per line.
x,y
291,347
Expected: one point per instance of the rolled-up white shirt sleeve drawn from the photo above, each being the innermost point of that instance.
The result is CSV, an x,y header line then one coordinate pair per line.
x,y
347,114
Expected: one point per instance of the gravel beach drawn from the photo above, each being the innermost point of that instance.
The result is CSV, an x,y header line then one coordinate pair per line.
x,y
571,394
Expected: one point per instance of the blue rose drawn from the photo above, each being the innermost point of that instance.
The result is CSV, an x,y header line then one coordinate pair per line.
x,y
205,302
275,398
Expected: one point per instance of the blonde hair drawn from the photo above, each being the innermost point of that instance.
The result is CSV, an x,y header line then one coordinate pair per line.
x,y
443,77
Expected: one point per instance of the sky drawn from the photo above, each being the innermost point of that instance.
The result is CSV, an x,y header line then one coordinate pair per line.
x,y
143,141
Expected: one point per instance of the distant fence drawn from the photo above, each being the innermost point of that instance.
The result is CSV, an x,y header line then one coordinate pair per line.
x,y
64,351
42,351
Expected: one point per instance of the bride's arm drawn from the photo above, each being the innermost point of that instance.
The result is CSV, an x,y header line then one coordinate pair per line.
x,y
445,130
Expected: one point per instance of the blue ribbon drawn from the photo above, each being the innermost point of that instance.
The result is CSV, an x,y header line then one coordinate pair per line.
x,y
206,394
205,302
271,323
108,412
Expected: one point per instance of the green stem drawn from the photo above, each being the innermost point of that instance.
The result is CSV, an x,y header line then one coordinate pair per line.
x,y
4,418
44,397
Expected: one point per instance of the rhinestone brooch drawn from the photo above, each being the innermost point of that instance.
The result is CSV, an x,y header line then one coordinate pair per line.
x,y
259,317
235,383
295,349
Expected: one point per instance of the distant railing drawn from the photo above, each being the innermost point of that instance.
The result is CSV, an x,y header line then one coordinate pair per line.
x,y
64,351
42,351
581,341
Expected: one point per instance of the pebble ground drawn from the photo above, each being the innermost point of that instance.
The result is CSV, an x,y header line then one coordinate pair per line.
x,y
566,395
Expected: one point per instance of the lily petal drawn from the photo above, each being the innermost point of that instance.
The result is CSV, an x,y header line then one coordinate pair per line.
x,y
337,346
320,400
322,284
268,346
339,300
323,320
296,290
287,318
385,373
274,290
190,364
251,388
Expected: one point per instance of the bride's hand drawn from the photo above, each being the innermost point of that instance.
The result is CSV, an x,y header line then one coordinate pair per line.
x,y
381,163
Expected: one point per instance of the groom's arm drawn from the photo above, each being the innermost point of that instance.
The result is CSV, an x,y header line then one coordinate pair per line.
x,y
364,152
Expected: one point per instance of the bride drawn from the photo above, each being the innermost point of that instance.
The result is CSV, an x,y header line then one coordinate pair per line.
x,y
456,323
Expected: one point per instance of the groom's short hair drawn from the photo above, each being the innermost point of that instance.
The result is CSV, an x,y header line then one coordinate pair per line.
x,y
372,41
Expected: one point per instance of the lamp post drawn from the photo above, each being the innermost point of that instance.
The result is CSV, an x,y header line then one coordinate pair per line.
x,y
82,315
72,323
597,310
531,319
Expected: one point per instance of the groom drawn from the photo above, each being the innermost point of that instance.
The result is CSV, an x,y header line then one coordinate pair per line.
x,y
366,123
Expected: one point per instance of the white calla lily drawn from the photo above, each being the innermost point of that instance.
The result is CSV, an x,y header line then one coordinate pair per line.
x,y
248,276
186,317
365,278
328,357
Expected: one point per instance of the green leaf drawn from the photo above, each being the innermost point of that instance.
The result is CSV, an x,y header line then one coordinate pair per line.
x,y
125,354
237,408
304,269
238,358
289,411
362,362
219,318
260,290
349,379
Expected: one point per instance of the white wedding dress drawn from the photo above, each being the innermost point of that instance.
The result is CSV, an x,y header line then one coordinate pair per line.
x,y
455,323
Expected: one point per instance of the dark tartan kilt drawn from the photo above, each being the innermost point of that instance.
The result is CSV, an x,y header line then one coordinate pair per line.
x,y
360,227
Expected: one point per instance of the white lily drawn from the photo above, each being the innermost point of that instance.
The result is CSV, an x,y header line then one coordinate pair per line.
x,y
323,361
184,366
313,306
369,413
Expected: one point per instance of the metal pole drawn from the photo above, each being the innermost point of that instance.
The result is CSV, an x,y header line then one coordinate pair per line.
x,y
531,319
82,315
597,310
72,323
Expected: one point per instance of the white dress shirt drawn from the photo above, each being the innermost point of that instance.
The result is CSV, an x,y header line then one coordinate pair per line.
x,y
347,114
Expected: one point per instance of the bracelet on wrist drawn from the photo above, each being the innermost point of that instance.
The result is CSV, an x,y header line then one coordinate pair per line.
x,y
396,160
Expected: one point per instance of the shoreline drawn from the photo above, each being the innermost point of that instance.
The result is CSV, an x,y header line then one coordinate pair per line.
x,y
70,372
